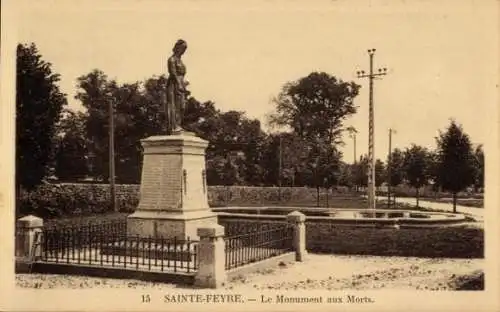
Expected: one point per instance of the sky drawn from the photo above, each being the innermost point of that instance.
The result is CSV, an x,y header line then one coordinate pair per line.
x,y
441,55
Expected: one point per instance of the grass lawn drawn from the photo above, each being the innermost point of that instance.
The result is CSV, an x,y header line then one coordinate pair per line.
x,y
472,202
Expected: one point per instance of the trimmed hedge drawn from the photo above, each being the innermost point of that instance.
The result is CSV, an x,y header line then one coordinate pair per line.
x,y
68,199
58,200
74,199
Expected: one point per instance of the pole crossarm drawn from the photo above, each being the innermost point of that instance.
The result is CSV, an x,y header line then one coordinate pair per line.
x,y
373,75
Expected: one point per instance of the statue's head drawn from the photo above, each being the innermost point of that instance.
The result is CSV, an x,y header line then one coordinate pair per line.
x,y
180,47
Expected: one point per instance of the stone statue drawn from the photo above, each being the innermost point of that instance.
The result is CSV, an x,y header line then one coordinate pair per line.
x,y
176,92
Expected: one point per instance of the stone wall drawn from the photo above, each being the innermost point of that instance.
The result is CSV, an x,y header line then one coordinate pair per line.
x,y
453,242
326,235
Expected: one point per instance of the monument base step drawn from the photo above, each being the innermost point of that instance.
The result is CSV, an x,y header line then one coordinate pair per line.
x,y
183,227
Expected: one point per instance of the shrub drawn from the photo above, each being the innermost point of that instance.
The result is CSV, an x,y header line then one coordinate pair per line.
x,y
57,200
73,199
473,281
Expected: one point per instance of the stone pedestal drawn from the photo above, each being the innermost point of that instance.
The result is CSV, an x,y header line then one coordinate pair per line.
x,y
173,193
297,219
211,268
27,227
28,238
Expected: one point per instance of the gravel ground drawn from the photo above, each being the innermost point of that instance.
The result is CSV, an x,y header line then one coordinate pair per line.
x,y
327,272
321,272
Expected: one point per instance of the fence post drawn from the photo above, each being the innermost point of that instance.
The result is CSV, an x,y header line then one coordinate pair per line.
x,y
25,237
296,219
211,255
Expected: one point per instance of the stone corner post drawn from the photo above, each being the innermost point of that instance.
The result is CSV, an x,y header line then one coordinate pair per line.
x,y
211,255
297,220
26,229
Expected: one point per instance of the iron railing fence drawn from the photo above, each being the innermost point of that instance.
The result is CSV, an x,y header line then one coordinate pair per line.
x,y
108,245
260,242
81,235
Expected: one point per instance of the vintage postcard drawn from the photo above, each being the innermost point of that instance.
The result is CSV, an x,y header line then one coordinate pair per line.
x,y
262,155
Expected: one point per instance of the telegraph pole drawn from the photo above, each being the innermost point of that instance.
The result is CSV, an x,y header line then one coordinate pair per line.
x,y
389,164
352,134
371,125
280,165
354,141
355,160
112,155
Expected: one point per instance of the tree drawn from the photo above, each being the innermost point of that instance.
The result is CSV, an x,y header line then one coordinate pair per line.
x,y
360,171
231,133
215,170
456,160
202,119
152,109
303,162
315,106
330,166
415,164
346,177
137,115
478,168
293,155
396,164
244,138
230,174
432,170
380,172
95,92
223,170
321,165
71,155
253,152
130,126
39,105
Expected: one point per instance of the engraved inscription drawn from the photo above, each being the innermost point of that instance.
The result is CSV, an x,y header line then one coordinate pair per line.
x,y
160,187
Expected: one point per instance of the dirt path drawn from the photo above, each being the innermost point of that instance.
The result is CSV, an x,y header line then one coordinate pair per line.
x,y
322,272
357,272
478,213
